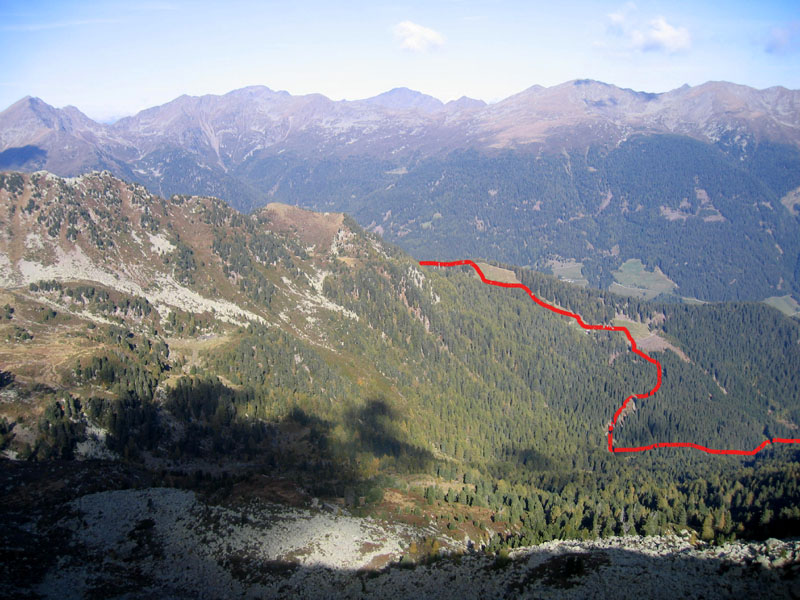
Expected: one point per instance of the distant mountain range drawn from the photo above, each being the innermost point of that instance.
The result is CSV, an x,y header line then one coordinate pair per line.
x,y
582,173
223,132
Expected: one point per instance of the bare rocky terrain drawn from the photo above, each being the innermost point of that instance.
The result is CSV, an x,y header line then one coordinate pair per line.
x,y
102,530
162,542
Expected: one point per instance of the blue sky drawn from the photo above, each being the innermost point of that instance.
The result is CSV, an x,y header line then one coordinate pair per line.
x,y
114,58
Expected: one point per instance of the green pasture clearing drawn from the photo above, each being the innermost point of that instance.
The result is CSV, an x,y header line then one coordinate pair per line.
x,y
639,331
791,201
633,280
786,304
570,271
497,274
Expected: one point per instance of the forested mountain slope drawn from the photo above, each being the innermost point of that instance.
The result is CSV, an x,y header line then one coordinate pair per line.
x,y
179,331
717,224
701,183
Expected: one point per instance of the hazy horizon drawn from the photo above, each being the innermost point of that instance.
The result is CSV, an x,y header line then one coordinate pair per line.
x,y
110,119
111,60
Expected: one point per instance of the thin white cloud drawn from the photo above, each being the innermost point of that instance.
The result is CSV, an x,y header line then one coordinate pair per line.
x,y
619,17
783,40
417,38
661,36
55,25
656,35
151,7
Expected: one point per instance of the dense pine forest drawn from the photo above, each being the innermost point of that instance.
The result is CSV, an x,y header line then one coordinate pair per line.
x,y
487,411
709,216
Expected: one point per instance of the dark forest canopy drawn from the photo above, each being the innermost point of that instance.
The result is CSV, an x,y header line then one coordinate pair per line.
x,y
414,371
709,217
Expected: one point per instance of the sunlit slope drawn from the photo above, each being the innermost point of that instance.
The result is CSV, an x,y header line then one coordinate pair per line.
x,y
295,326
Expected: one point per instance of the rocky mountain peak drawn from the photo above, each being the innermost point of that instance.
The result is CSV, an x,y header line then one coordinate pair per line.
x,y
465,103
217,139
402,98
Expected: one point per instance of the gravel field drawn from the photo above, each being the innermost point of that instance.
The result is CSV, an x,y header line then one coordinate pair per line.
x,y
165,543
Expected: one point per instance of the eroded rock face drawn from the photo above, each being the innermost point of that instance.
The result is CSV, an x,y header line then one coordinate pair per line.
x,y
161,542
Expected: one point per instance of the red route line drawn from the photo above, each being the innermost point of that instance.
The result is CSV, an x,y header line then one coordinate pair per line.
x,y
634,349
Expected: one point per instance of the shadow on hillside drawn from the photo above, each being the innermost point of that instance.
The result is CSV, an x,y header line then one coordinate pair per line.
x,y
144,563
6,378
22,156
607,573
48,550
377,430
42,490
335,466
338,458
530,459
288,462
